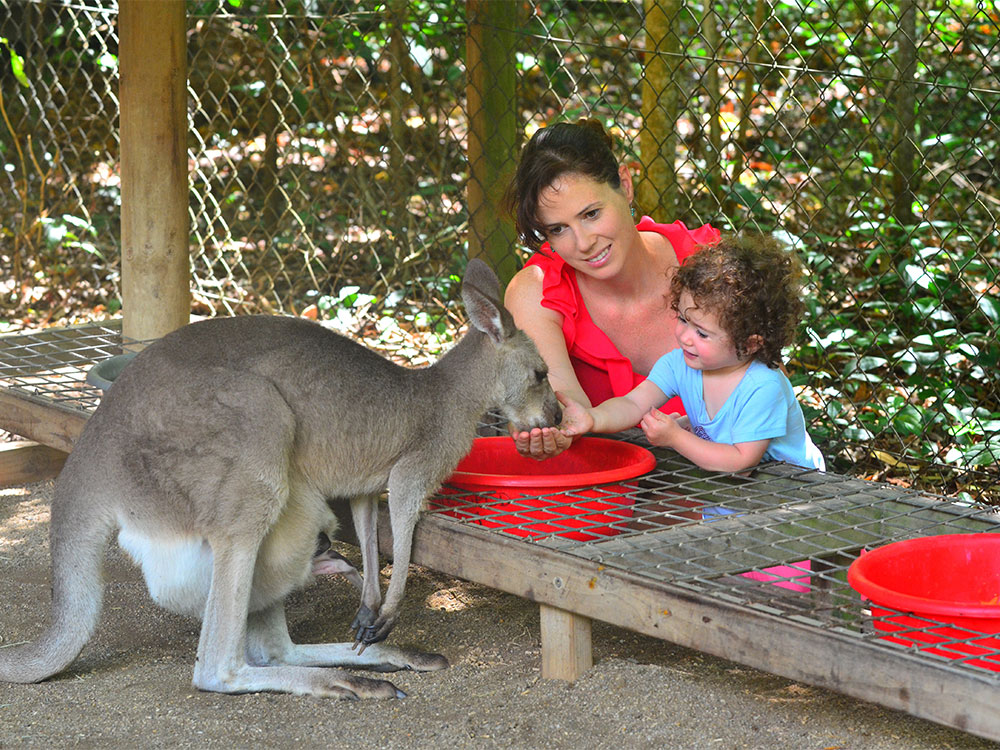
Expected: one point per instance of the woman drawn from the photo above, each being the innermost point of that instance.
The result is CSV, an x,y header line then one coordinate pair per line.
x,y
592,295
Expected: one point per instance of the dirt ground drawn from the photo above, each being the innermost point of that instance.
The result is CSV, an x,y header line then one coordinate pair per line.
x,y
131,686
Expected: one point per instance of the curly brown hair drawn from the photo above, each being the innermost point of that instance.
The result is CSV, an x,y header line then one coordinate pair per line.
x,y
753,284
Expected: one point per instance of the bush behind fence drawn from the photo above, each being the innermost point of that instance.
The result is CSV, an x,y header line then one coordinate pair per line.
x,y
330,146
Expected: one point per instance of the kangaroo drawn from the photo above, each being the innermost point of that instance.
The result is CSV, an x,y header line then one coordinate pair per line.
x,y
214,453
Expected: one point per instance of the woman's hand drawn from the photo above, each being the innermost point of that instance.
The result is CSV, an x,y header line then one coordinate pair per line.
x,y
541,443
661,429
546,442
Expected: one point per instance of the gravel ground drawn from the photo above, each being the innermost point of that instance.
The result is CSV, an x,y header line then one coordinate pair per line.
x,y
131,686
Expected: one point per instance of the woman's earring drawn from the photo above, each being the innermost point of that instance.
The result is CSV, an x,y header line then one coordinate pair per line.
x,y
632,209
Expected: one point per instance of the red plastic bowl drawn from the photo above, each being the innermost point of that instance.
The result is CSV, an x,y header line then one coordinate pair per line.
x,y
941,592
526,497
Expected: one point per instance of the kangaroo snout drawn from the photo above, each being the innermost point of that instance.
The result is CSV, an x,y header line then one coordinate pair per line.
x,y
537,407
552,408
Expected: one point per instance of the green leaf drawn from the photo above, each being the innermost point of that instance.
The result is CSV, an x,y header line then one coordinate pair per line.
x,y
983,454
867,364
16,63
301,101
990,308
908,420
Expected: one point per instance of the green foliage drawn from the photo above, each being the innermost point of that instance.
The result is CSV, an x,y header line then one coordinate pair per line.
x,y
317,184
16,63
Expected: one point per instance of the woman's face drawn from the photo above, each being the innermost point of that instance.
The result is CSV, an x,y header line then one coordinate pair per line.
x,y
588,223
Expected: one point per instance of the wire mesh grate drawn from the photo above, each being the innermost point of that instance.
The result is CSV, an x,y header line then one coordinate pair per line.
x,y
51,365
779,540
331,153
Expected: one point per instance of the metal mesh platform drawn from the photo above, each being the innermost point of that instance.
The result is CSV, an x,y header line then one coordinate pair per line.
x,y
750,567
779,540
51,365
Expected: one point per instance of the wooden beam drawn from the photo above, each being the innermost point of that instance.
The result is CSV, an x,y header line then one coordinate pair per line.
x,y
566,651
156,295
23,461
841,661
44,422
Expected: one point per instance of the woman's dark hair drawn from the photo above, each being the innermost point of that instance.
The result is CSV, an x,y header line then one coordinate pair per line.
x,y
582,147
753,284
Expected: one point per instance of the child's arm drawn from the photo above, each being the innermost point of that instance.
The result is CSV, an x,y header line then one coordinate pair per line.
x,y
662,429
613,415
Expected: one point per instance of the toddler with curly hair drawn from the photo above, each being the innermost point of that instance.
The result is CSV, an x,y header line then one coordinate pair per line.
x,y
737,304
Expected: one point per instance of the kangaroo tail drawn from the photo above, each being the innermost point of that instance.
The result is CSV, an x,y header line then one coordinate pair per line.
x,y
79,537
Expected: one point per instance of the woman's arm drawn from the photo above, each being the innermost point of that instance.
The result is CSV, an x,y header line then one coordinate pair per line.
x,y
523,299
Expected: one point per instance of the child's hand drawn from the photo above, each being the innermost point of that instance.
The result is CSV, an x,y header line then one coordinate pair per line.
x,y
660,428
577,418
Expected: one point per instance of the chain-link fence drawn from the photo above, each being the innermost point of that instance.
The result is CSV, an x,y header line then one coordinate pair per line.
x,y
345,156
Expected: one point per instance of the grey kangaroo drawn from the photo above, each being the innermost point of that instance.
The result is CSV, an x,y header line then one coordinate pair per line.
x,y
214,454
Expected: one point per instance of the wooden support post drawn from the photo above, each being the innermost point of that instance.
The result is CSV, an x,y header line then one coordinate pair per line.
x,y
566,652
22,462
52,425
903,156
657,191
493,126
156,295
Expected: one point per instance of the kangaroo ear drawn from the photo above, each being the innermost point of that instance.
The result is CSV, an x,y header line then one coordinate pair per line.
x,y
481,293
481,276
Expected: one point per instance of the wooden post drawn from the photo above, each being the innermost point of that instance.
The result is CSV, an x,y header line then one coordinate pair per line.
x,y
492,150
156,295
743,133
657,192
903,154
566,649
713,171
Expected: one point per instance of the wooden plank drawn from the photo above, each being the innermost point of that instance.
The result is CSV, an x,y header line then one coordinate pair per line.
x,y
566,651
827,657
23,461
42,421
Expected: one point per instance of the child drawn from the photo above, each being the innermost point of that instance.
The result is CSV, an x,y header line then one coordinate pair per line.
x,y
737,305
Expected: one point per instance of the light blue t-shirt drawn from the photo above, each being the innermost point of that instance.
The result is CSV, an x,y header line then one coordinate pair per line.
x,y
761,407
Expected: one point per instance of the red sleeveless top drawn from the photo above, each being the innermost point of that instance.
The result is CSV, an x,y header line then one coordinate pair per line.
x,y
602,370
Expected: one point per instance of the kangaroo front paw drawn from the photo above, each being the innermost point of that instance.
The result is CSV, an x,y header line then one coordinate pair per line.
x,y
363,621
377,631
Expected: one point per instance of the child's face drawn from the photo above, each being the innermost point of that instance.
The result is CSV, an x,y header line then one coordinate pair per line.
x,y
706,346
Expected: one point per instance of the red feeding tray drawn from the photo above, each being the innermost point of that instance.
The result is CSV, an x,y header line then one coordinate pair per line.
x,y
948,586
526,497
